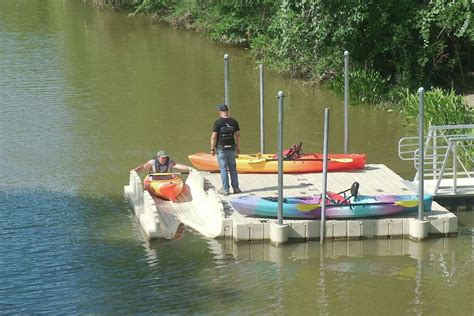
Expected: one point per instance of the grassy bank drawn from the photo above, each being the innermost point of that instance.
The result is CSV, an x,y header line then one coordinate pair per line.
x,y
395,46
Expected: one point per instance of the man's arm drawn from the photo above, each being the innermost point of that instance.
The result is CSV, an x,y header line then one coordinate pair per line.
x,y
237,142
213,143
145,167
181,166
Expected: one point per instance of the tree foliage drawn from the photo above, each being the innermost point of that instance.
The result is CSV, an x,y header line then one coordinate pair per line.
x,y
412,42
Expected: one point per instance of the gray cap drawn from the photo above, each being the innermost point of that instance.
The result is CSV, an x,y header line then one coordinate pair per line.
x,y
161,153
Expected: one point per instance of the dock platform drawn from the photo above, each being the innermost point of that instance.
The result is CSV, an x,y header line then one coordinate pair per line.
x,y
203,210
461,199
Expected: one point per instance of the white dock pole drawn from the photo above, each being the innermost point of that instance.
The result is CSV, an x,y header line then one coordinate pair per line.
x,y
419,227
262,129
325,173
226,79
281,95
421,152
278,231
346,102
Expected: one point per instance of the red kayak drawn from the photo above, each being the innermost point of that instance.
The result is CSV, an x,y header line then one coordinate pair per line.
x,y
266,163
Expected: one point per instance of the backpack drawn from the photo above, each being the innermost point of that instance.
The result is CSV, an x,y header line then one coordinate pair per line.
x,y
293,152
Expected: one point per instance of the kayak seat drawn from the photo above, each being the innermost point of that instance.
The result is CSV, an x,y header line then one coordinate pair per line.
x,y
336,198
354,189
294,152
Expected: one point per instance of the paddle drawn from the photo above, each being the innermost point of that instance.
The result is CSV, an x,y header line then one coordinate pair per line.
x,y
307,207
402,203
407,203
167,173
309,159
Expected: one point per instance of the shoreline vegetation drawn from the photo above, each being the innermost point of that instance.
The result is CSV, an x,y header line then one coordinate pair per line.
x,y
395,46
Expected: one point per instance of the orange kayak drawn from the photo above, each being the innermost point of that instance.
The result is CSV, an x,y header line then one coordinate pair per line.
x,y
265,163
166,187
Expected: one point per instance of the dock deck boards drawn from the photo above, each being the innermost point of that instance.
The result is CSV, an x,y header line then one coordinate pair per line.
x,y
375,179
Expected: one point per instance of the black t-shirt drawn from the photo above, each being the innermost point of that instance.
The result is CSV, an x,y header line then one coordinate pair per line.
x,y
225,129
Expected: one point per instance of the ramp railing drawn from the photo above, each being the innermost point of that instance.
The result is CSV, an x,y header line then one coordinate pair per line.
x,y
448,155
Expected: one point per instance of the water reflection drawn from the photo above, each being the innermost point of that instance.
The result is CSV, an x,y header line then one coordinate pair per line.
x,y
342,272
307,251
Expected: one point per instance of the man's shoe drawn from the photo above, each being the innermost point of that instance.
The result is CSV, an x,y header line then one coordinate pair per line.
x,y
237,191
223,192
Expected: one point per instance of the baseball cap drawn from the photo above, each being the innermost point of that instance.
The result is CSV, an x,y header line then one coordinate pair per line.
x,y
161,153
223,107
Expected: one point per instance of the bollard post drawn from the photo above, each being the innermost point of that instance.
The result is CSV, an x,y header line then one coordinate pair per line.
x,y
346,102
226,79
262,127
325,173
278,231
281,95
421,152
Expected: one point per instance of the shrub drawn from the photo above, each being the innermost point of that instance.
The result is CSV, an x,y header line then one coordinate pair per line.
x,y
365,85
440,107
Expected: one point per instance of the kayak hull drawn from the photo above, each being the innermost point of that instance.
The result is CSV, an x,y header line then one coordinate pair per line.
x,y
264,163
310,207
167,187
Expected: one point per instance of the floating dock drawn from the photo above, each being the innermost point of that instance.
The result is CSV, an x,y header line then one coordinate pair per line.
x,y
203,210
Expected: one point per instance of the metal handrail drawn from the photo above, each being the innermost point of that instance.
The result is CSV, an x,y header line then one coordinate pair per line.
x,y
440,145
452,148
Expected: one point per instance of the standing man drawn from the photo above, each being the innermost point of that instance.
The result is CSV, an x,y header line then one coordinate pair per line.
x,y
225,141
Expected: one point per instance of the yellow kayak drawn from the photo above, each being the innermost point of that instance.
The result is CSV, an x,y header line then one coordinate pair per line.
x,y
167,187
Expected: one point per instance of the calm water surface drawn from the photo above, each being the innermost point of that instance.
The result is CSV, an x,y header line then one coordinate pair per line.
x,y
86,95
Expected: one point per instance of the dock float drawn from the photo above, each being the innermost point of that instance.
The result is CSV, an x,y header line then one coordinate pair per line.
x,y
204,211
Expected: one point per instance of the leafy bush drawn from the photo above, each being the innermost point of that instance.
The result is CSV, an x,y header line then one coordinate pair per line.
x,y
365,85
235,21
440,107
150,5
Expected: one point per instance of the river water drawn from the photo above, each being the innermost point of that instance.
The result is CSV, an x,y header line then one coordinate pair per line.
x,y
86,95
